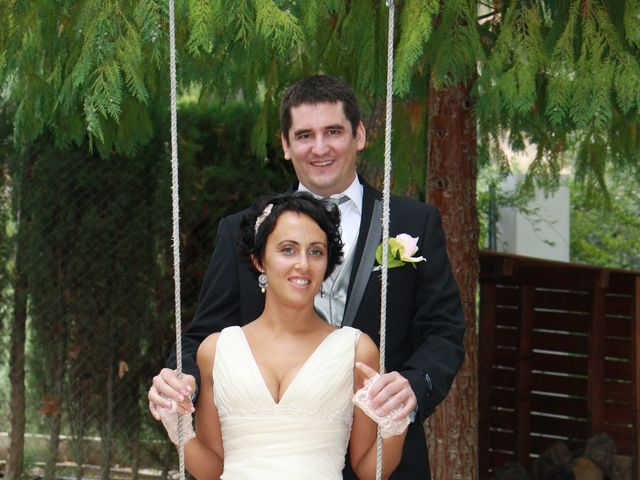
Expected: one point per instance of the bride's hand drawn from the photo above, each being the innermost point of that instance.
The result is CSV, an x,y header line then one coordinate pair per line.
x,y
388,424
389,392
167,387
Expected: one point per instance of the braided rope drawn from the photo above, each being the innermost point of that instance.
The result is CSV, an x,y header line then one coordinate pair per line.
x,y
176,215
386,189
175,203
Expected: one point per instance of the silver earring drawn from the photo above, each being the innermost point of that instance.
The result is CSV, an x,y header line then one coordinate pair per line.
x,y
322,294
262,282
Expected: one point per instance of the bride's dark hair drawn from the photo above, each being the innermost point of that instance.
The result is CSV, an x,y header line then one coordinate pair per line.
x,y
326,215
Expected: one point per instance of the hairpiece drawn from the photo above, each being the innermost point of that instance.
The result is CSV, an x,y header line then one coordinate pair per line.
x,y
265,213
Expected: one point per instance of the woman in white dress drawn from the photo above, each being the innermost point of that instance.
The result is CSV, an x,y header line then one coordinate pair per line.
x,y
275,399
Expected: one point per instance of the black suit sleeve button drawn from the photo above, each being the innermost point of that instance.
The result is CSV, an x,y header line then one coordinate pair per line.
x,y
427,379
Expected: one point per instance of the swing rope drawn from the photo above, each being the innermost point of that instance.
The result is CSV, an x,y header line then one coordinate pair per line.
x,y
386,194
175,199
175,203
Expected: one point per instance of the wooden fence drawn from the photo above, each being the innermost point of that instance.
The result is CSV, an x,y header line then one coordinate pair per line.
x,y
559,357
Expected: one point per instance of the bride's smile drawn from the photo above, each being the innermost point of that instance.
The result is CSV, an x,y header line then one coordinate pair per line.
x,y
295,260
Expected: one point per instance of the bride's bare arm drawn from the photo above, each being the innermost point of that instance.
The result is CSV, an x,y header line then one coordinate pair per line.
x,y
204,454
362,444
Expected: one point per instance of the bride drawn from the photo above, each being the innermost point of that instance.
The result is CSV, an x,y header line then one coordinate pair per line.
x,y
276,393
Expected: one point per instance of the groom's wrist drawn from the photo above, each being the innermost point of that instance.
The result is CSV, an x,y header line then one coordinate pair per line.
x,y
422,387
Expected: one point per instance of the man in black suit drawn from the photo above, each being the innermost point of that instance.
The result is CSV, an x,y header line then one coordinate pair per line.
x,y
322,133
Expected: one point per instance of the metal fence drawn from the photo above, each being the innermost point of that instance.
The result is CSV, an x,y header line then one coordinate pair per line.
x,y
88,240
91,241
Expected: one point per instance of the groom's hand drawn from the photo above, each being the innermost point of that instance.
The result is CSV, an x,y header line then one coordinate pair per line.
x,y
391,391
166,387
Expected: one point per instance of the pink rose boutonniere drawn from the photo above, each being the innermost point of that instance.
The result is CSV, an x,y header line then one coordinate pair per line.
x,y
401,249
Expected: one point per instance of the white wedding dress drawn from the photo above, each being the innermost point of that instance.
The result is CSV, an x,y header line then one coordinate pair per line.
x,y
305,435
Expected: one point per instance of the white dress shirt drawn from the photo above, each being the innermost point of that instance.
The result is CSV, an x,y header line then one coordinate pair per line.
x,y
350,213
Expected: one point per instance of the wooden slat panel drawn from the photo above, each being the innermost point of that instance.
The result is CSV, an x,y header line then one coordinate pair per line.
x,y
504,398
503,419
623,437
562,321
618,327
504,378
560,343
596,360
573,407
573,386
635,361
621,282
618,348
619,305
487,352
618,414
614,370
618,391
541,443
494,265
576,276
507,295
506,337
502,440
523,374
504,356
499,458
565,308
573,301
560,426
507,316
573,364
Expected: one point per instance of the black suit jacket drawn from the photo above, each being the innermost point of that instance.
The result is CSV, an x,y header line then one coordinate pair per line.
x,y
425,325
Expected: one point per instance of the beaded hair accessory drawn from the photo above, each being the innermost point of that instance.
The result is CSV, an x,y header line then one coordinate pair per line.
x,y
265,213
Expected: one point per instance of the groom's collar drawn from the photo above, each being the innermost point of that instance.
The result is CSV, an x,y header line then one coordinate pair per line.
x,y
354,192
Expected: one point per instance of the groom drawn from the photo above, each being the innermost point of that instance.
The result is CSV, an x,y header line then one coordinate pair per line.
x,y
322,132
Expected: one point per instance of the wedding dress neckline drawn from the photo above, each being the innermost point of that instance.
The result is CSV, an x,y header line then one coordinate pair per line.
x,y
255,366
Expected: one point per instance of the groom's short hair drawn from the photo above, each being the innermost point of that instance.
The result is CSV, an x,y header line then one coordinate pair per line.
x,y
319,89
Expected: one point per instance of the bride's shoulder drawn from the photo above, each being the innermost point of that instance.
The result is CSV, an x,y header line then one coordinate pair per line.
x,y
207,348
366,349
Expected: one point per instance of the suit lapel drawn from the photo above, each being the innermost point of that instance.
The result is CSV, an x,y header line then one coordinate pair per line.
x,y
365,254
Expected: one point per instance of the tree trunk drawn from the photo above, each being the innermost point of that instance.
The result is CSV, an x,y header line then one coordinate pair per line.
x,y
15,460
451,187
57,385
107,427
54,445
16,372
58,358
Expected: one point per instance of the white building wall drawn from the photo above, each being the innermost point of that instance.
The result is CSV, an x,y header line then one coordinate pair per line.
x,y
541,233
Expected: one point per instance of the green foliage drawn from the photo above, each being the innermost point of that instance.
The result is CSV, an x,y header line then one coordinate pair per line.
x,y
631,23
74,65
606,231
200,21
562,75
454,49
279,27
548,73
516,58
416,23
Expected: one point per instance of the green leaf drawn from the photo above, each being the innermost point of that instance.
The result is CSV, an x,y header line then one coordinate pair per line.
x,y
393,255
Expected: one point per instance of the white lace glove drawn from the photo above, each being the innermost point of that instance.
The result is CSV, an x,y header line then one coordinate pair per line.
x,y
388,426
169,418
